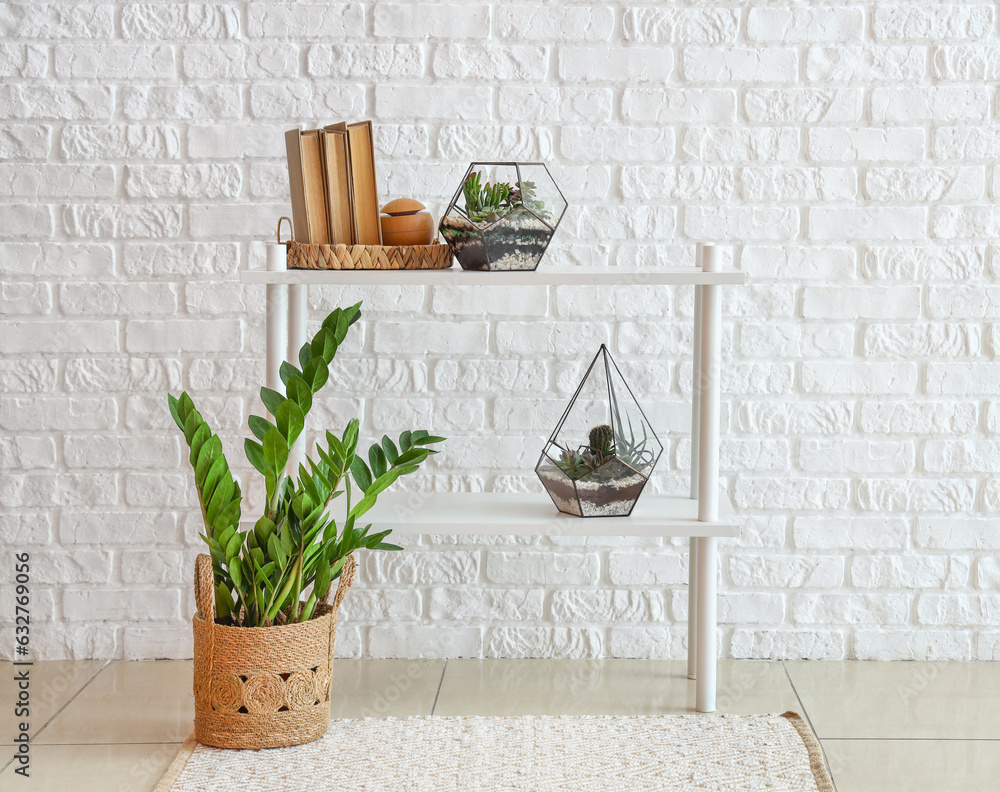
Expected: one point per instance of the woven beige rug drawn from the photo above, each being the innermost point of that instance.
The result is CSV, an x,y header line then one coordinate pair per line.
x,y
668,753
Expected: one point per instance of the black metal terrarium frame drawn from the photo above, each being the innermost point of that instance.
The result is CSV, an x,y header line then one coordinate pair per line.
x,y
482,229
616,421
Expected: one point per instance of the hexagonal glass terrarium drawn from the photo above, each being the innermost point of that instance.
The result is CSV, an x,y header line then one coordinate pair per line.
x,y
602,452
503,216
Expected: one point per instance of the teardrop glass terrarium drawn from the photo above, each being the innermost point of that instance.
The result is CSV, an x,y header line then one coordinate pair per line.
x,y
503,216
602,452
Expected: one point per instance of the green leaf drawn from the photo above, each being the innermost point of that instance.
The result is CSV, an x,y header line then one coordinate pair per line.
x,y
275,551
428,439
307,483
220,498
259,426
386,546
362,506
324,347
384,481
414,456
305,355
321,585
289,420
353,313
224,604
255,454
198,439
230,514
316,373
405,441
391,454
351,435
286,371
224,535
235,572
275,452
192,423
337,322
375,539
210,452
233,547
299,392
172,402
337,447
302,504
362,475
376,458
214,476
263,529
272,399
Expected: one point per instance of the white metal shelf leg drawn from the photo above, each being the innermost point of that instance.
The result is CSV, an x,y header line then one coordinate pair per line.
x,y
298,312
695,448
693,608
708,486
276,320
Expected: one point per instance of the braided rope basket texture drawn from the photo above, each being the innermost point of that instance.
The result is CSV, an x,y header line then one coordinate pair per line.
x,y
366,257
262,687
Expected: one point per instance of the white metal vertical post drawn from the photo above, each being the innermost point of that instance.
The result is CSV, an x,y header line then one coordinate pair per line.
x,y
708,484
695,448
298,311
276,319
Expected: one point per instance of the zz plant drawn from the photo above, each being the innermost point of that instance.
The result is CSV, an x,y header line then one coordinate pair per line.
x,y
262,573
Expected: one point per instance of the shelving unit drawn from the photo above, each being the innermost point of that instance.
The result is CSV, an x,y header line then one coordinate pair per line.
x,y
703,517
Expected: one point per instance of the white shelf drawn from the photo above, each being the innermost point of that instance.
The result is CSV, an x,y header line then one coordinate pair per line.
x,y
543,276
532,514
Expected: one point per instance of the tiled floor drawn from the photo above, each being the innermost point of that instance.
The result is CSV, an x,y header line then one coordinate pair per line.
x,y
911,727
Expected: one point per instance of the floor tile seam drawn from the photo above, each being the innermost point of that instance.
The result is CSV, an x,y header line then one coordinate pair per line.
x,y
437,695
805,714
802,705
71,699
910,739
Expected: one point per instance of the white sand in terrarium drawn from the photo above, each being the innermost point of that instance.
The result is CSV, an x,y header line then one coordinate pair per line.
x,y
613,508
559,480
517,260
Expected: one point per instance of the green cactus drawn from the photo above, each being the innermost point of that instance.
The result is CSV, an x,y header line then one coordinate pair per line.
x,y
602,440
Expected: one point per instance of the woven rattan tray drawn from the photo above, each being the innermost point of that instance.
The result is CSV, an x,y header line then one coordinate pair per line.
x,y
365,257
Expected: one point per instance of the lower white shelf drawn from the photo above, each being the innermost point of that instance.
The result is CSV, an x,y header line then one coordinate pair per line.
x,y
532,514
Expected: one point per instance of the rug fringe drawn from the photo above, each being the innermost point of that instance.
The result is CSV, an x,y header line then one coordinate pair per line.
x,y
817,761
177,765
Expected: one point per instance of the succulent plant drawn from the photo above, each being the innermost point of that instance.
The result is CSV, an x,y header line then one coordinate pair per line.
x,y
525,195
602,440
633,452
486,203
577,464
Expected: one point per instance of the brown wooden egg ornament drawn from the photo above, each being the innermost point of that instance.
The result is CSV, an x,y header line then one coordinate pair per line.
x,y
406,222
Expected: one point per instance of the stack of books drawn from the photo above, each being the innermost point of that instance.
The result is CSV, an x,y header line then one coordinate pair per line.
x,y
331,172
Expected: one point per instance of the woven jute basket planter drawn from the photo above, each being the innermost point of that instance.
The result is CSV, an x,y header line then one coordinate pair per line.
x,y
365,257
262,687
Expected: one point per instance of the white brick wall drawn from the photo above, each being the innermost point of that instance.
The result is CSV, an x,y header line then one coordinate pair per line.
x,y
844,154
